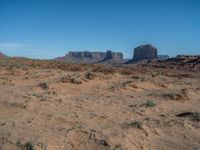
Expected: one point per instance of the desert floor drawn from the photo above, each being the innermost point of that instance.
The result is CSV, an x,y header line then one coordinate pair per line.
x,y
55,109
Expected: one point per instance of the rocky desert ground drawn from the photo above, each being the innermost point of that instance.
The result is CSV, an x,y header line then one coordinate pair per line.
x,y
49,105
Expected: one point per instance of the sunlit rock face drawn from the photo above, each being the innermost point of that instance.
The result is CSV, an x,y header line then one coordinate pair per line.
x,y
91,57
145,52
117,56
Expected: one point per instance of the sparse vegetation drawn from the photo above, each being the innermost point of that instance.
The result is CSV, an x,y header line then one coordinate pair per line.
x,y
71,79
135,77
100,141
118,147
196,117
29,146
150,103
26,146
131,113
15,66
90,76
178,95
43,85
132,124
75,80
126,72
142,79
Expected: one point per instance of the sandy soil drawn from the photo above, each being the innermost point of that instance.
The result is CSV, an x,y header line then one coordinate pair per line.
x,y
53,109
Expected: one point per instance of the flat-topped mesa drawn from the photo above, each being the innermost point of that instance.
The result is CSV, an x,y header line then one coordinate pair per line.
x,y
145,52
92,57
113,55
86,54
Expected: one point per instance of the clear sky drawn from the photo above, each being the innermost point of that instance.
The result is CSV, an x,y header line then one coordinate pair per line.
x,y
50,28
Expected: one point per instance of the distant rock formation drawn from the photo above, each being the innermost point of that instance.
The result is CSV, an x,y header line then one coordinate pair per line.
x,y
144,52
184,62
87,54
162,57
91,57
81,57
2,55
113,57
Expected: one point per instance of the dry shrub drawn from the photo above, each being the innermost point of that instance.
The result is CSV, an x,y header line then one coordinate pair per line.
x,y
103,69
43,85
90,75
178,75
71,79
125,72
194,116
179,96
132,124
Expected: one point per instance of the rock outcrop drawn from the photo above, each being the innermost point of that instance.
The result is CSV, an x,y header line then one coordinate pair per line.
x,y
145,52
91,57
183,62
87,54
81,57
2,55
113,57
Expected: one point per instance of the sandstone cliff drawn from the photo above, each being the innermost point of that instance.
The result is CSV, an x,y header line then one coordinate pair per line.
x,y
112,57
91,57
144,52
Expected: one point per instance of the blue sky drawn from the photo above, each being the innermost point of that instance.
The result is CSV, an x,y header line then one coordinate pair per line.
x,y
50,28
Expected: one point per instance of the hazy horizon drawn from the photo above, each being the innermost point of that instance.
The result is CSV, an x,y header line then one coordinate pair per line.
x,y
48,29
